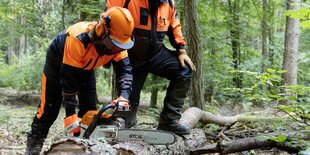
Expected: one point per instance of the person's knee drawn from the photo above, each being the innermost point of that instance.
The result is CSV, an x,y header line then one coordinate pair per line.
x,y
184,75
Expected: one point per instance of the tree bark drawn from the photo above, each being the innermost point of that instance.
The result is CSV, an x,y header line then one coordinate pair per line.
x,y
114,90
271,30
265,53
291,46
154,92
234,7
195,53
83,13
250,143
183,144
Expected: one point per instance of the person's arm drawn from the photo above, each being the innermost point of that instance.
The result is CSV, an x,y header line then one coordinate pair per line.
x,y
175,32
70,72
123,73
71,67
177,40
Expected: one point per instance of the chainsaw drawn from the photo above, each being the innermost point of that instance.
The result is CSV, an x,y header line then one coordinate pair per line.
x,y
104,124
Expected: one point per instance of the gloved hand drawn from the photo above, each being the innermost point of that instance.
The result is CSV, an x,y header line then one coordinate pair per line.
x,y
72,124
123,103
183,58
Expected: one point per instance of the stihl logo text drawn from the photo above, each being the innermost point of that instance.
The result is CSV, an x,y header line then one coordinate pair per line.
x,y
135,136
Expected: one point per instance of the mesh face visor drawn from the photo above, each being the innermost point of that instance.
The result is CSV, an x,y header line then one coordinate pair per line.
x,y
106,46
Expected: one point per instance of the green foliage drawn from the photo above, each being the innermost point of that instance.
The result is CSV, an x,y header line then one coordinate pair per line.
x,y
24,74
280,138
303,14
103,84
266,89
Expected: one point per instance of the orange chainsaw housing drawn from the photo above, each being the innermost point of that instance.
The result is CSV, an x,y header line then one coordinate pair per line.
x,y
89,116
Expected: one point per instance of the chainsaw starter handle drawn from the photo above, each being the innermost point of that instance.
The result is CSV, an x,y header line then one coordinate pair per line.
x,y
93,124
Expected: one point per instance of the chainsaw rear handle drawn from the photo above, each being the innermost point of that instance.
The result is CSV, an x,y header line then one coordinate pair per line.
x,y
93,124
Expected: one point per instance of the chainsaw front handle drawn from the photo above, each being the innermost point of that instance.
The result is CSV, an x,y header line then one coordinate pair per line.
x,y
93,124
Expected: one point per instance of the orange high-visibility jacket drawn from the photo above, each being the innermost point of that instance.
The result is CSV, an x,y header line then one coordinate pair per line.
x,y
152,26
80,57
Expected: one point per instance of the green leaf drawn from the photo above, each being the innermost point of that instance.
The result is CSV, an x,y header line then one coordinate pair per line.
x,y
269,70
280,138
287,108
293,98
305,24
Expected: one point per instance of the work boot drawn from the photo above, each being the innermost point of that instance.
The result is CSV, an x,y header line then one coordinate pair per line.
x,y
176,128
34,145
173,103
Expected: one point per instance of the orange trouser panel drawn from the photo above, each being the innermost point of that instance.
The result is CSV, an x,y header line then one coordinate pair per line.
x,y
42,104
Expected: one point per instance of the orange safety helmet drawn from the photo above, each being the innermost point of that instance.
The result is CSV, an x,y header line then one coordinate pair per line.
x,y
119,25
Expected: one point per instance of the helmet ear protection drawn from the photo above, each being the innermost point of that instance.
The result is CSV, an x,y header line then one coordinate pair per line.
x,y
107,20
100,31
115,35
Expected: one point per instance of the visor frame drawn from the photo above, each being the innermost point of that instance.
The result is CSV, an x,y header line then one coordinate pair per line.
x,y
125,46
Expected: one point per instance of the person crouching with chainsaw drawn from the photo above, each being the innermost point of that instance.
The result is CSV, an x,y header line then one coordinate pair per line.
x,y
69,75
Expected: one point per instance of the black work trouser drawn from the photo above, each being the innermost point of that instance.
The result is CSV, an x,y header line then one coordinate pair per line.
x,y
51,94
164,64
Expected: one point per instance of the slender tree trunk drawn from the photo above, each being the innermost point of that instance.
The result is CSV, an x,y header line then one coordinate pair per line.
x,y
83,13
291,46
154,92
40,6
271,31
11,44
235,40
265,54
22,45
114,90
195,52
63,14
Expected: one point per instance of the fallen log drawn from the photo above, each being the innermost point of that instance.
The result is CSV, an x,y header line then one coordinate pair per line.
x,y
184,145
251,143
192,116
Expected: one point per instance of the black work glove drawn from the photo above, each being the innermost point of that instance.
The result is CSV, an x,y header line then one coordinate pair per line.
x,y
70,103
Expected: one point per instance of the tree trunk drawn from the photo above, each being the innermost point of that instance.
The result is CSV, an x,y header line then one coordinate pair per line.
x,y
11,44
271,31
83,13
10,54
114,90
63,14
250,143
22,46
291,46
235,40
195,52
154,92
184,145
265,53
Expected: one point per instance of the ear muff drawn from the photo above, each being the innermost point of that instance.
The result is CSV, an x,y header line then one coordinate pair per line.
x,y
100,26
99,29
107,20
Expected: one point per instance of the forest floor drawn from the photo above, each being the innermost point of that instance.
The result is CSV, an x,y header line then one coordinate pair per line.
x,y
17,110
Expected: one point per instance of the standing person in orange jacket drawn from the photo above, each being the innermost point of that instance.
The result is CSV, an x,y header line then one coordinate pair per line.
x,y
69,71
154,19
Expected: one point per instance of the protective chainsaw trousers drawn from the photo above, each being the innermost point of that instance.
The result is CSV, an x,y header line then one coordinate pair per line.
x,y
164,64
51,94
